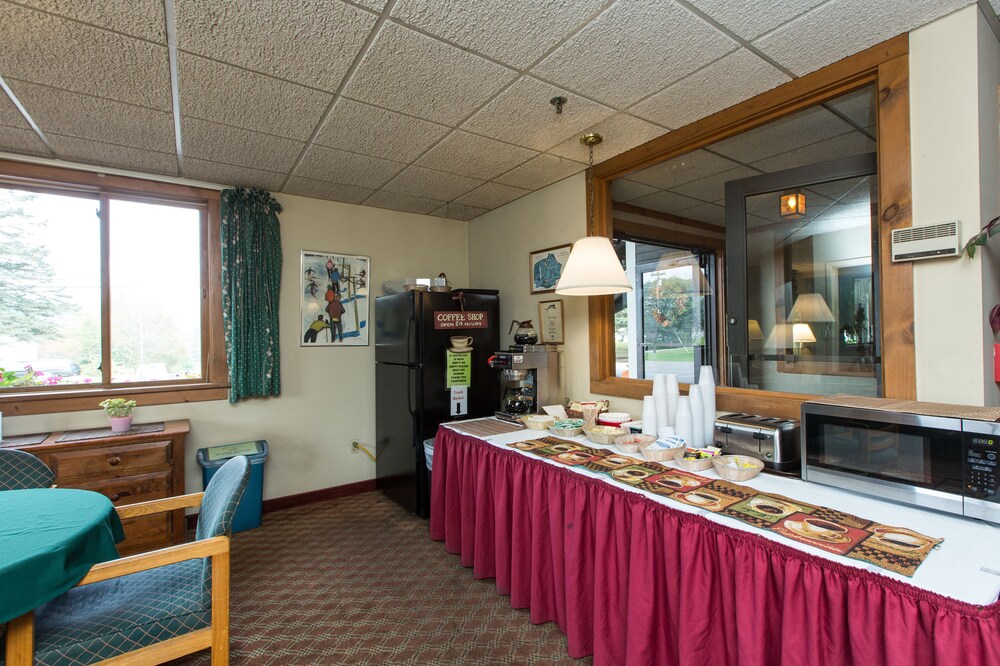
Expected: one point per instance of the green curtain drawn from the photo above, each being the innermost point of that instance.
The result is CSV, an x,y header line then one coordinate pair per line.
x,y
251,280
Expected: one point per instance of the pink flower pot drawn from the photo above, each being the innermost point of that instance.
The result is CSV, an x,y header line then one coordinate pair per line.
x,y
120,423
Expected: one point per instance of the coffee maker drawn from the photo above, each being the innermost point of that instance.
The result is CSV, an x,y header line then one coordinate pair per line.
x,y
528,380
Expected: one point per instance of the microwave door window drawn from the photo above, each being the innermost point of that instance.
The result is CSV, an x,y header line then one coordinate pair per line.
x,y
922,457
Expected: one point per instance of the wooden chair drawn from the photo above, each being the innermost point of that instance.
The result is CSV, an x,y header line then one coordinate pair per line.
x,y
21,470
148,608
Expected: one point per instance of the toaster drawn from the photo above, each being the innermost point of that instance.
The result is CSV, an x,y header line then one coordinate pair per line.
x,y
771,440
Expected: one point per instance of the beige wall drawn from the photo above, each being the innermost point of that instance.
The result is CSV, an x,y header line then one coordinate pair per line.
x,y
953,124
327,394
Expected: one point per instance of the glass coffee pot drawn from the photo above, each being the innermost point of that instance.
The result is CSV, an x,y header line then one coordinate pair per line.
x,y
525,333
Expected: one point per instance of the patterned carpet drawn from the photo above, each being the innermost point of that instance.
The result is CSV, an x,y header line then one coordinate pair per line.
x,y
358,581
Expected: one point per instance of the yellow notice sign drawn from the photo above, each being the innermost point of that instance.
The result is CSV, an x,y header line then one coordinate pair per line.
x,y
459,369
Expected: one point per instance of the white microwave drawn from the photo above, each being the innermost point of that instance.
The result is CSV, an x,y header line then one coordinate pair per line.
x,y
947,463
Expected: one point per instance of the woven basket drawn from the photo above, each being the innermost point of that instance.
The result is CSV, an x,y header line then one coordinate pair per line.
x,y
694,465
737,473
633,443
602,406
604,437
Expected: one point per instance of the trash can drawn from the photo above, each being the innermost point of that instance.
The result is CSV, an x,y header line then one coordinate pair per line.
x,y
212,458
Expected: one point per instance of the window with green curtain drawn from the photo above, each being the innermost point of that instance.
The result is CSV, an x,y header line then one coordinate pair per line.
x,y
251,281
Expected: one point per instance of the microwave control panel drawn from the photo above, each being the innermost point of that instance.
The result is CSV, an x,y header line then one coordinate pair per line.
x,y
981,474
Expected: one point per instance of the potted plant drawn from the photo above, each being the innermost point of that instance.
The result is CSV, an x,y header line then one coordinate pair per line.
x,y
119,412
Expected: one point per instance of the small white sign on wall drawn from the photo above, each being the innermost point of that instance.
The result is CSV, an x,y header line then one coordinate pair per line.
x,y
459,400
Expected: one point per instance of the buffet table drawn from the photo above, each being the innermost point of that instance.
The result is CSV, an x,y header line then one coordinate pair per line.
x,y
634,579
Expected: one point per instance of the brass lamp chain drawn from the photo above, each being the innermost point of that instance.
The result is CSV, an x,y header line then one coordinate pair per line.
x,y
591,140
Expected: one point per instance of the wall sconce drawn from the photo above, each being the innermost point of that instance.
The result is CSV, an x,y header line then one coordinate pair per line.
x,y
593,267
793,205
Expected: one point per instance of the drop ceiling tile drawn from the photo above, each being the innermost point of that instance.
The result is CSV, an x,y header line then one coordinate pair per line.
x,y
406,71
750,20
21,141
707,212
845,145
75,149
10,116
232,145
337,166
623,189
372,130
403,202
858,107
666,202
516,33
727,81
139,18
72,114
233,96
318,189
683,169
832,31
491,195
621,132
522,115
474,155
713,188
419,182
375,5
787,133
235,176
541,171
633,49
457,211
309,42
58,52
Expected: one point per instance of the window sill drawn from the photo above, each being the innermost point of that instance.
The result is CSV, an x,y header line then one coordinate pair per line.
x,y
78,400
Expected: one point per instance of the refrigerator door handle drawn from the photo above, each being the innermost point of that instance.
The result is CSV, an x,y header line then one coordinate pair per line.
x,y
409,340
409,392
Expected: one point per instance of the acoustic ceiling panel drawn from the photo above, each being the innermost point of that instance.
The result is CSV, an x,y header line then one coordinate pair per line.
x,y
475,156
233,145
420,182
371,130
320,189
239,176
403,202
541,171
752,18
621,132
76,149
338,166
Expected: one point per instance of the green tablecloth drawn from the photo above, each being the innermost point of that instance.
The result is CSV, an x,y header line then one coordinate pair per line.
x,y
49,539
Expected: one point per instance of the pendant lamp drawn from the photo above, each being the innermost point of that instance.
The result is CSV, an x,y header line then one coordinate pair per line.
x,y
593,267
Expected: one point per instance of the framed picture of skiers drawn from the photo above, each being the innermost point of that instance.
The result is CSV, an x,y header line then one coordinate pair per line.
x,y
334,306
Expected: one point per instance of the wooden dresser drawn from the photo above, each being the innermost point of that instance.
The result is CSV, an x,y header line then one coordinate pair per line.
x,y
128,467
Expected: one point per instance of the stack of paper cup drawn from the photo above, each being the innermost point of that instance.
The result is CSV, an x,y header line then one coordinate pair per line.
x,y
673,392
660,400
706,381
648,416
684,423
697,417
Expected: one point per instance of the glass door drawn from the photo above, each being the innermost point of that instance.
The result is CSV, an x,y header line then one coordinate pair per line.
x,y
805,319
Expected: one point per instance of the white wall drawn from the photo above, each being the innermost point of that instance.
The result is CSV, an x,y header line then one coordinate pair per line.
x,y
328,394
989,187
953,67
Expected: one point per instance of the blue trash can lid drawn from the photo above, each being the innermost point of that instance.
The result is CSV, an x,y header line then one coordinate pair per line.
x,y
216,455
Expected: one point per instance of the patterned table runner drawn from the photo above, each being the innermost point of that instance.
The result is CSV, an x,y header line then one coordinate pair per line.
x,y
484,427
897,549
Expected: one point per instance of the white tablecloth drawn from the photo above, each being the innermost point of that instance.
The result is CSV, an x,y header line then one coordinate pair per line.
x,y
966,566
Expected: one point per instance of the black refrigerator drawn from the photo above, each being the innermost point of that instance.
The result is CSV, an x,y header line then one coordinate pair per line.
x,y
412,339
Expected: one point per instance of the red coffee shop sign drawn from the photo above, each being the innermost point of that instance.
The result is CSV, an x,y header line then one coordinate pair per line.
x,y
466,319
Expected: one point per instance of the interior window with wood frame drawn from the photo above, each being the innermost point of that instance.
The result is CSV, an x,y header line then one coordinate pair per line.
x,y
799,189
109,285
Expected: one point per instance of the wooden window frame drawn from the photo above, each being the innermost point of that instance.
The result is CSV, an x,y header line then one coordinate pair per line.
x,y
886,66
214,383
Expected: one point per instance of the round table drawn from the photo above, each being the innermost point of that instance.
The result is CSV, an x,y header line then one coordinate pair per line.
x,y
49,539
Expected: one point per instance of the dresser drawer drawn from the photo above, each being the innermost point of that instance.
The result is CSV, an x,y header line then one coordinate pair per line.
x,y
110,462
132,489
145,533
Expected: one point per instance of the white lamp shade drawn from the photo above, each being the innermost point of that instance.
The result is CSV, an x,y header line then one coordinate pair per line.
x,y
780,337
802,333
593,269
811,307
753,330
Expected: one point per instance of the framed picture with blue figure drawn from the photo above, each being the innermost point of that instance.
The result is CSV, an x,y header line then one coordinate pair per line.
x,y
546,267
334,300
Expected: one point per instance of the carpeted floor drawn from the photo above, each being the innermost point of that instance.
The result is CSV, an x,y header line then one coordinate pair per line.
x,y
358,581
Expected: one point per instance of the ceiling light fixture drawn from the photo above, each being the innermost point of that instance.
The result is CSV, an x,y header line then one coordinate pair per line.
x,y
793,205
558,103
593,267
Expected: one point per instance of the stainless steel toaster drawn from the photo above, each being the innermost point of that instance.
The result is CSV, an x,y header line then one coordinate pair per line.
x,y
773,441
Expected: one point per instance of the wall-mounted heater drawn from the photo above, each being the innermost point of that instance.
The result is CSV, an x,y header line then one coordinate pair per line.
x,y
928,242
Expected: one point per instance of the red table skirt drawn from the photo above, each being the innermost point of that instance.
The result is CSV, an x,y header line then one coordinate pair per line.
x,y
631,581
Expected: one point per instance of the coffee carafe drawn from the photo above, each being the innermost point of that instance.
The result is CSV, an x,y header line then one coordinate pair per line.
x,y
517,398
525,333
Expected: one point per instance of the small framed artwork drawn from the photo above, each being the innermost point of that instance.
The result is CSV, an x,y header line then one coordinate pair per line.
x,y
334,300
550,317
546,267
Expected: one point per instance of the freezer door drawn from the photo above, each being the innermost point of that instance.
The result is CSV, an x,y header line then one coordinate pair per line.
x,y
396,322
397,426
